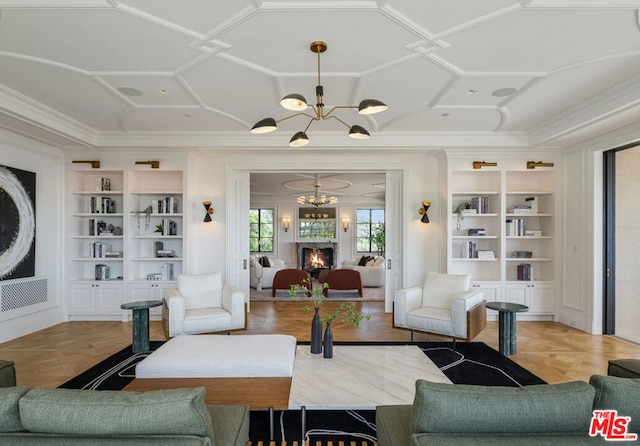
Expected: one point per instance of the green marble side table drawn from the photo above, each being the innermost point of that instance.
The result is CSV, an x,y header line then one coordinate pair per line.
x,y
507,324
140,329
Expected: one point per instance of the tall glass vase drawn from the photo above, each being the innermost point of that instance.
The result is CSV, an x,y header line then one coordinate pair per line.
x,y
328,342
316,333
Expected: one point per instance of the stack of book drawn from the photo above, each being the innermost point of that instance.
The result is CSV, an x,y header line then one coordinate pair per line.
x,y
533,202
525,271
476,232
522,254
166,205
103,184
469,250
520,209
102,205
102,272
98,249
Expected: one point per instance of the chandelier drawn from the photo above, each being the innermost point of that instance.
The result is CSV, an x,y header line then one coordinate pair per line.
x,y
317,200
298,103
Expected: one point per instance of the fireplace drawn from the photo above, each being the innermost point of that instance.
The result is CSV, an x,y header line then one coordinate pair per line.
x,y
316,257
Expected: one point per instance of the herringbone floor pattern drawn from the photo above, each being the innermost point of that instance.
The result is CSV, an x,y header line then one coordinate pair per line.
x,y
554,352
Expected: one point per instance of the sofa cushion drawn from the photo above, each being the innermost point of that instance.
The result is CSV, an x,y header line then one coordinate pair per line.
x,y
620,394
99,413
624,368
363,260
9,411
554,408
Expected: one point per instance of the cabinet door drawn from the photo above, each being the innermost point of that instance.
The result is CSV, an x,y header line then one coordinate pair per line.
x,y
108,297
542,298
82,298
492,291
518,294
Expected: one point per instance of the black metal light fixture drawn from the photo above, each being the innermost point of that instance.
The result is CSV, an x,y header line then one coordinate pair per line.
x,y
297,102
423,211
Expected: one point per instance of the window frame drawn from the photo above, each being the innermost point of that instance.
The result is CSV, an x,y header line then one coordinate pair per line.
x,y
370,227
260,224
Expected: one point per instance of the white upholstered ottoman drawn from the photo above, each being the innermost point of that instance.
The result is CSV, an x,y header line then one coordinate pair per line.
x,y
221,356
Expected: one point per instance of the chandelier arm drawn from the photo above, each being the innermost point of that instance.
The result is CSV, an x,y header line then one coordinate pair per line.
x,y
339,120
294,115
325,116
309,125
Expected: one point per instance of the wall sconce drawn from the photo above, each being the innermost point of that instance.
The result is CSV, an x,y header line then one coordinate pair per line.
x,y
533,164
209,211
481,164
286,221
423,211
95,164
345,223
154,164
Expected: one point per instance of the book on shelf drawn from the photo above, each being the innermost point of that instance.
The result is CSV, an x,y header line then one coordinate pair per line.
x,y
103,184
102,272
98,228
476,232
522,254
480,204
486,255
101,205
533,202
533,233
469,250
520,210
515,227
166,205
524,271
98,249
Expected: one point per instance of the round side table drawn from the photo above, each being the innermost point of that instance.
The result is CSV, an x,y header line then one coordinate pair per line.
x,y
507,324
140,335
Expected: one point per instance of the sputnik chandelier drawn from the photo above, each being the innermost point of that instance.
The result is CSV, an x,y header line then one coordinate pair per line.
x,y
297,102
317,200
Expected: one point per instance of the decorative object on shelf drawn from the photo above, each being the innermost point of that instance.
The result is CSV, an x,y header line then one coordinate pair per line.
x,y
481,164
423,211
286,221
317,200
534,164
345,223
95,164
345,313
298,103
459,211
208,211
154,164
147,217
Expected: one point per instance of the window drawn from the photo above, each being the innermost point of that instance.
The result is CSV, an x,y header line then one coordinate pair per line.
x,y
369,230
316,223
261,230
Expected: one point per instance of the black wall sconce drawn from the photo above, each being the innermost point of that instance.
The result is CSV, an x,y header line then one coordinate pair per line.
x,y
209,211
95,164
534,164
154,164
423,211
481,164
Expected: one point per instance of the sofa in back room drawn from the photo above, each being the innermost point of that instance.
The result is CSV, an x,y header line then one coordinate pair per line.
x,y
370,267
93,417
262,269
548,414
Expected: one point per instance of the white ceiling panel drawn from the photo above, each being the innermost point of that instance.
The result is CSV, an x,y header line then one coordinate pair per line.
x,y
156,90
470,90
446,119
180,120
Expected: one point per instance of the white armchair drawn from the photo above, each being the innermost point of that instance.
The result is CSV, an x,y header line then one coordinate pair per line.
x,y
262,276
444,305
201,304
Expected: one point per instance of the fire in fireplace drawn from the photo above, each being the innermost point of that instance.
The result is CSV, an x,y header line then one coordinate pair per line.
x,y
317,258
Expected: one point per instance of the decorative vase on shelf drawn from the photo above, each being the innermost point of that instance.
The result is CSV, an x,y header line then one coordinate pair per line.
x,y
316,332
328,342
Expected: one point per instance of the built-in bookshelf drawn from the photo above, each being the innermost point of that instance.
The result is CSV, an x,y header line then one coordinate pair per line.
x,y
502,232
126,238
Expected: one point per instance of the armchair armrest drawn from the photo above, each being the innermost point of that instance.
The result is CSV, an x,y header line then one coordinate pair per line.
x,y
406,300
233,302
176,309
460,304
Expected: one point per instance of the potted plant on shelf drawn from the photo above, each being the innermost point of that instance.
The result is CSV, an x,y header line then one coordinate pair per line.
x,y
147,217
460,214
345,313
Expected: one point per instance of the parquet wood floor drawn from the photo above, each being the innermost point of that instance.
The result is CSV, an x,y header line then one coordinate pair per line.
x,y
554,352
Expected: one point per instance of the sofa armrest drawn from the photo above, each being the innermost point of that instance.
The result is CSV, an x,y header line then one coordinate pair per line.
x,y
460,304
176,309
393,425
406,300
230,424
233,302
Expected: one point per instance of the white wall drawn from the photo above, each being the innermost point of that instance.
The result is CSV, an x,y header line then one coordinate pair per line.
x,y
46,162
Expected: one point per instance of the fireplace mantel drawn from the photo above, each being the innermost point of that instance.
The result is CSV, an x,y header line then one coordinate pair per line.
x,y
315,245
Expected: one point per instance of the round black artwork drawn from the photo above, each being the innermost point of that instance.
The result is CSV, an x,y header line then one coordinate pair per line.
x,y
9,222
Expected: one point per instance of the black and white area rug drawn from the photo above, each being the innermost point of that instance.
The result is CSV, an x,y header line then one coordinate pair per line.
x,y
470,363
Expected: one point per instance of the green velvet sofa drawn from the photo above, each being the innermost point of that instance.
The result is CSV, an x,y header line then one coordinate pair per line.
x,y
88,418
554,414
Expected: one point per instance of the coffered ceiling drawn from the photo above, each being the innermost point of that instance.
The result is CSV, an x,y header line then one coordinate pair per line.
x,y
200,73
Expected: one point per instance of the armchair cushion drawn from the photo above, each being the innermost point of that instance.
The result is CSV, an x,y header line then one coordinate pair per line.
x,y
9,408
201,290
438,289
